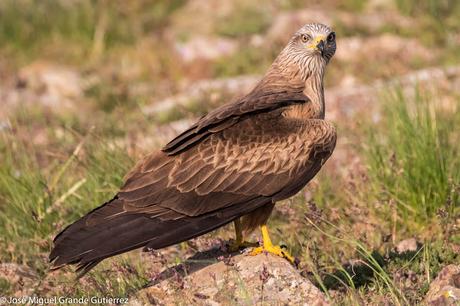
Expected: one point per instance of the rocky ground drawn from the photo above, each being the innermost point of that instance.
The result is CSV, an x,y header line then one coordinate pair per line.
x,y
79,106
239,279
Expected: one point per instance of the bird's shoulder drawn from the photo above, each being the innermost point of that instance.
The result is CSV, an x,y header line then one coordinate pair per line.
x,y
264,98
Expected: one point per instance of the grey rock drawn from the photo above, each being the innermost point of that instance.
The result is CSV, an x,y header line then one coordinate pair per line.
x,y
445,289
52,84
205,48
205,91
239,280
407,246
20,278
58,88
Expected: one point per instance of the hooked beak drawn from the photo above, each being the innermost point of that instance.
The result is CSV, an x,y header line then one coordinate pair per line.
x,y
318,44
321,46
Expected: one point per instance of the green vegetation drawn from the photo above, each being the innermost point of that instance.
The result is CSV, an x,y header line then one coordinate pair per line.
x,y
437,21
433,8
353,5
249,19
40,198
415,163
247,61
83,28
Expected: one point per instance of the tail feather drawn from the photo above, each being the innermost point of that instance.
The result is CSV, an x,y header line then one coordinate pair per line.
x,y
86,243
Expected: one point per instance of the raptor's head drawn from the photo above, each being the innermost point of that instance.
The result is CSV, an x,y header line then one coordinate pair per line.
x,y
315,39
311,47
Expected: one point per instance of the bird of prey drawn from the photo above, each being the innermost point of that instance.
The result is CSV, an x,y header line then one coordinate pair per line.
x,y
232,165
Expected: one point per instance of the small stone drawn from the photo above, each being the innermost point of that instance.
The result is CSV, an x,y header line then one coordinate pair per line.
x,y
445,290
20,277
206,48
406,246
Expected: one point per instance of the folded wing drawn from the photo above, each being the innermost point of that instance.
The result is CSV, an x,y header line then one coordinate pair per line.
x,y
167,198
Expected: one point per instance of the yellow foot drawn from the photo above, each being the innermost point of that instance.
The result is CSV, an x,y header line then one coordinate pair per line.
x,y
270,248
275,250
235,245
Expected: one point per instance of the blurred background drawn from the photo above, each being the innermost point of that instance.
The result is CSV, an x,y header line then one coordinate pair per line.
x,y
87,87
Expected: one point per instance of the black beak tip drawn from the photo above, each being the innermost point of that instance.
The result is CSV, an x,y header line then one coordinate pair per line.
x,y
321,46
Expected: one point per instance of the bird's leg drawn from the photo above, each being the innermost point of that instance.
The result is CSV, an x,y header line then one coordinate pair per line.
x,y
239,243
270,248
238,231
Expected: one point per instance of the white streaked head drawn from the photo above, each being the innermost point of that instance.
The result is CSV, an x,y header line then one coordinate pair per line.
x,y
311,48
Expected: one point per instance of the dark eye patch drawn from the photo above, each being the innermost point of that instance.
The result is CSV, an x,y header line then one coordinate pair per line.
x,y
331,37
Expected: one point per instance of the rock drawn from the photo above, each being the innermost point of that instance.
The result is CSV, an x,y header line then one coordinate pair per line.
x,y
207,14
382,47
374,21
20,278
53,84
239,280
285,23
407,246
205,48
204,92
5,125
445,289
56,87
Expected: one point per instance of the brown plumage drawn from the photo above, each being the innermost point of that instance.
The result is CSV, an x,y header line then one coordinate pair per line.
x,y
237,161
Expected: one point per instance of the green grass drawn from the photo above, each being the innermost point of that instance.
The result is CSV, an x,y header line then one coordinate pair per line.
x,y
370,273
81,28
438,9
250,60
248,19
43,189
436,22
353,5
380,275
415,162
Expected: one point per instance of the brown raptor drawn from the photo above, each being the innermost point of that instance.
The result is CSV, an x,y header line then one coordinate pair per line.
x,y
233,164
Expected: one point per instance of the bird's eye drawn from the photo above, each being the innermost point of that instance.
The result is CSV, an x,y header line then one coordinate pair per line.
x,y
304,38
331,37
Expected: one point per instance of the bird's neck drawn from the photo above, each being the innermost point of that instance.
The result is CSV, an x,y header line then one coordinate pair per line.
x,y
310,81
314,90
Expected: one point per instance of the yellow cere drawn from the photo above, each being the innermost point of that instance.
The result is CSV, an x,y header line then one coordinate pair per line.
x,y
316,41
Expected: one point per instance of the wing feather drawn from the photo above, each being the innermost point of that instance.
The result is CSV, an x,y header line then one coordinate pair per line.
x,y
227,168
261,100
